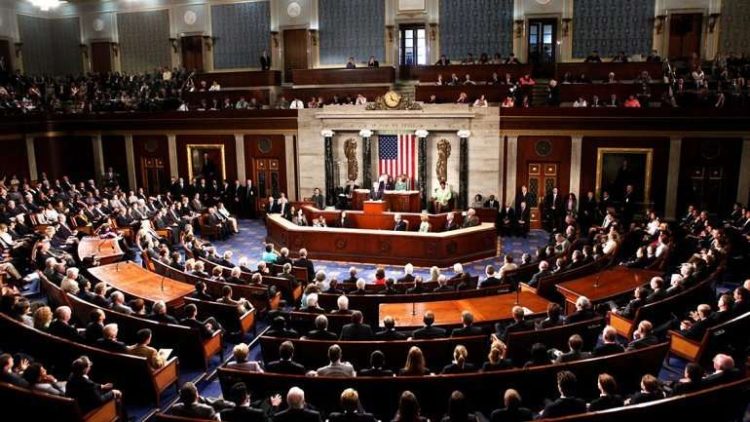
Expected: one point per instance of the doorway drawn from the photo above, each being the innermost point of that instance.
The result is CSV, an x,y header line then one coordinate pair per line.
x,y
685,35
295,51
101,57
542,41
412,50
6,61
153,175
542,178
192,52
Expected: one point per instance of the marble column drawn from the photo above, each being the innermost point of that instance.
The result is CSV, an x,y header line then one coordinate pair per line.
x,y
291,169
328,154
31,155
130,160
673,176
96,145
422,166
510,173
239,147
463,169
743,187
172,152
576,147
366,158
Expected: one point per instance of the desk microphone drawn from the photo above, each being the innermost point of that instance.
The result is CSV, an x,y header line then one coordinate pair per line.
x,y
518,294
117,267
162,283
413,309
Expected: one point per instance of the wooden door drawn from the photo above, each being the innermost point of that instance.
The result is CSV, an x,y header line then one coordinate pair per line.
x,y
295,51
192,52
267,175
685,34
153,175
101,57
542,178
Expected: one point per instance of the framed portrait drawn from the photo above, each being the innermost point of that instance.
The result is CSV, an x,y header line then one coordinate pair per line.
x,y
206,161
618,167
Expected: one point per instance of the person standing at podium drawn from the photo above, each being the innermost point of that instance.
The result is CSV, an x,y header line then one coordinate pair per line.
x,y
402,183
400,225
377,193
441,196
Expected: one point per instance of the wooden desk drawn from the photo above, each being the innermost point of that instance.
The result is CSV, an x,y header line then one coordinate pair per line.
x,y
384,246
396,200
604,286
478,72
571,92
448,312
106,251
600,71
449,94
242,78
134,280
341,76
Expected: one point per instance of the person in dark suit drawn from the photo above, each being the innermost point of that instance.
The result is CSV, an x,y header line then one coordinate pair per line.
x,y
279,329
643,337
724,371
583,311
296,410
629,205
700,321
575,345
109,340
343,222
377,366
408,275
356,330
639,299
389,332
428,331
609,344
658,292
7,374
554,210
650,390
523,220
554,317
450,223
491,202
95,327
190,407
206,328
304,262
567,403
513,410
351,409
608,397
443,61
506,224
519,324
400,225
242,411
61,326
265,61
468,328
372,62
544,271
691,381
286,363
321,330
88,394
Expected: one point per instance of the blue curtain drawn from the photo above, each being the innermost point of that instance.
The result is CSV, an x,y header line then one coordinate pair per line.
x,y
50,46
611,26
144,40
242,32
351,28
476,26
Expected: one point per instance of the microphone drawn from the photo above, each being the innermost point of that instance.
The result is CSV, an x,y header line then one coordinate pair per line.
x,y
162,283
413,309
117,266
518,294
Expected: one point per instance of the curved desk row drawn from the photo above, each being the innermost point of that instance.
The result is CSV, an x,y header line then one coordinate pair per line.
x,y
385,246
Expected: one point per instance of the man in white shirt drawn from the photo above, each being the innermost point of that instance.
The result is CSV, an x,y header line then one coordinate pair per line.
x,y
336,368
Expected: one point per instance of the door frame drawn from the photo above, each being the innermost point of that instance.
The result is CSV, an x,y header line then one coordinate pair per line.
x,y
686,11
313,55
525,40
398,40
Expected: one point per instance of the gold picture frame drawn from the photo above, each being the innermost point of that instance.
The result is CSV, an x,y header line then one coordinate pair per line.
x,y
642,155
195,165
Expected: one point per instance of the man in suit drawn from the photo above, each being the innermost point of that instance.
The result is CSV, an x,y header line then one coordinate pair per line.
x,y
609,344
296,411
658,292
567,404
88,394
189,406
701,321
543,272
304,262
343,221
513,410
61,326
523,196
265,61
242,411
335,367
519,324
491,202
639,299
506,221
468,328
356,330
428,331
377,366
629,205
7,375
450,223
523,215
352,409
584,311
286,363
159,314
206,328
553,210
443,61
575,345
389,332
321,330
471,219
408,274
109,340
724,371
95,327
643,337
279,329
142,348
400,225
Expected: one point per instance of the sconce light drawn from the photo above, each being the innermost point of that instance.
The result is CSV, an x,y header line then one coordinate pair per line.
x,y
518,28
713,19
209,41
18,46
390,33
84,50
566,27
659,23
175,45
313,36
433,31
275,38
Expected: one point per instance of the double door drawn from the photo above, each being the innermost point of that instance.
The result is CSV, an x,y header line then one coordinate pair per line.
x,y
268,179
542,178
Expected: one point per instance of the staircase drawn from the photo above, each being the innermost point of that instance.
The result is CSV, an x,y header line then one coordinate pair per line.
x,y
539,93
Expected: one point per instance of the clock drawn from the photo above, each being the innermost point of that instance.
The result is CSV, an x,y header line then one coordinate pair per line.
x,y
294,9
392,99
190,17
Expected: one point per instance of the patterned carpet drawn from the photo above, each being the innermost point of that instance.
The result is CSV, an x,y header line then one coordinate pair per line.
x,y
249,243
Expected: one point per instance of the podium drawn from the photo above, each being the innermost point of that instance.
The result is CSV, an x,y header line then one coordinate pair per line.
x,y
359,196
374,207
402,200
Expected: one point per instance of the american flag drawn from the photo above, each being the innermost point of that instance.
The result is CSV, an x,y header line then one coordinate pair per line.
x,y
397,155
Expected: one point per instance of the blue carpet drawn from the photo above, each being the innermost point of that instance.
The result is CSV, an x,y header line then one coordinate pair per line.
x,y
250,243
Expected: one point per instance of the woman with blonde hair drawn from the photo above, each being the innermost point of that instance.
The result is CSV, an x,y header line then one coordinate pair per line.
x,y
42,318
496,359
415,364
459,364
434,274
424,225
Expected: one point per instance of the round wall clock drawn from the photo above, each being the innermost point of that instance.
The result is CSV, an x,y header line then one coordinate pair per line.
x,y
293,9
98,24
190,17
